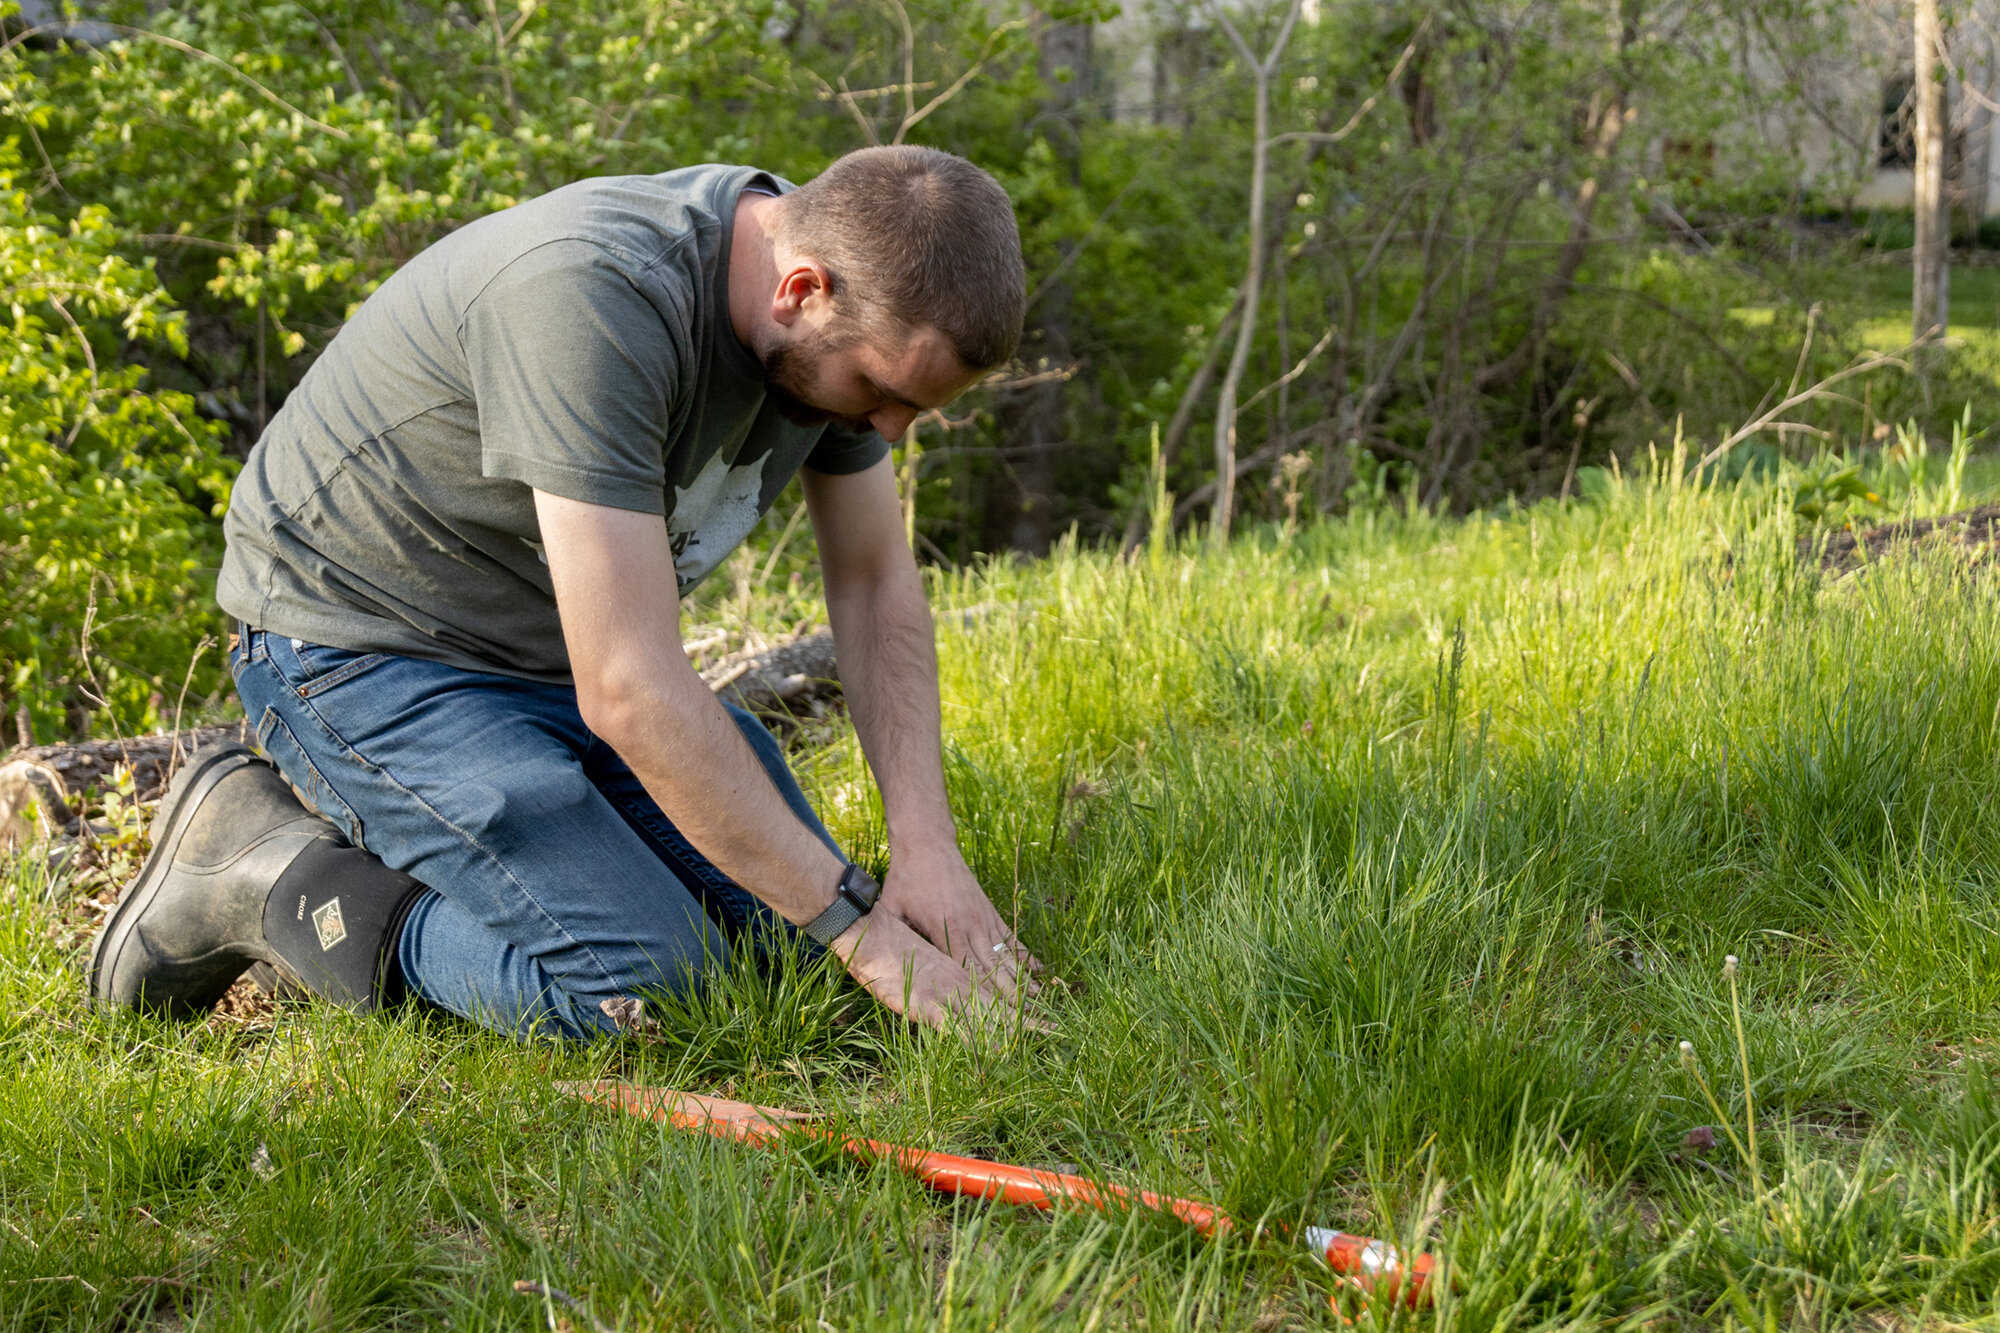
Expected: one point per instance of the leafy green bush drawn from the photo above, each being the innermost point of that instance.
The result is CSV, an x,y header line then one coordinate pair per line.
x,y
107,554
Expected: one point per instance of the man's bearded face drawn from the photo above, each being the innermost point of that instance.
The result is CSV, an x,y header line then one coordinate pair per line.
x,y
794,378
843,371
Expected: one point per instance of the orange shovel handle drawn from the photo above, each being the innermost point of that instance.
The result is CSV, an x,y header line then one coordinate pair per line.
x,y
1372,1264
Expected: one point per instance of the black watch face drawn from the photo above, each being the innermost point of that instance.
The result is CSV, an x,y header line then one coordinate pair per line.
x,y
860,886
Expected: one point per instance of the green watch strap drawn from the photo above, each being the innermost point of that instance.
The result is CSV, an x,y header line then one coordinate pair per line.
x,y
852,900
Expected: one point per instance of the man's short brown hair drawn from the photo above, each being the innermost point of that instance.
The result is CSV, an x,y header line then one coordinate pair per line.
x,y
912,237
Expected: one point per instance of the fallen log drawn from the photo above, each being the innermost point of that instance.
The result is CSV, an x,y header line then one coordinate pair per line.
x,y
783,682
87,764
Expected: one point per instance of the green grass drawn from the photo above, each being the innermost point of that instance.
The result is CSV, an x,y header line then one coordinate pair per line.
x,y
1385,865
1870,303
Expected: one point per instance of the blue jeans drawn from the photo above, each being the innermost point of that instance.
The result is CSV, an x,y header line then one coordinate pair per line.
x,y
554,882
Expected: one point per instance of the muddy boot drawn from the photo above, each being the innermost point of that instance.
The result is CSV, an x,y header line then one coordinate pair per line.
x,y
242,874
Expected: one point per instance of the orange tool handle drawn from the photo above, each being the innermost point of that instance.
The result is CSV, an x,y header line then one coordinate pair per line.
x,y
1370,1264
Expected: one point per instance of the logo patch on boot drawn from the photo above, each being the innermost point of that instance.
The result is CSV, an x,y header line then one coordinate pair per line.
x,y
326,921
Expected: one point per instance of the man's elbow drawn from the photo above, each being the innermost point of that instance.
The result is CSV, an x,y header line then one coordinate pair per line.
x,y
619,709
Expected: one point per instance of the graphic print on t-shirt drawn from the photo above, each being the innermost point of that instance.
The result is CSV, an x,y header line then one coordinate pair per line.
x,y
713,515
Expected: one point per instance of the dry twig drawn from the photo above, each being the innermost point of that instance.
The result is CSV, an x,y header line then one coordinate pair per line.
x,y
1772,417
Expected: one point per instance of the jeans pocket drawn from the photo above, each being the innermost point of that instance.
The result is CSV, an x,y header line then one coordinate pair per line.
x,y
321,668
282,748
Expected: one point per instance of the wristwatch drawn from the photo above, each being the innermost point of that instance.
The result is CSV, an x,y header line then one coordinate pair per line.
x,y
854,899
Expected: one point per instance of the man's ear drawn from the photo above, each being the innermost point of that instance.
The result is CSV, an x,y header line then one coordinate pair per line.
x,y
802,282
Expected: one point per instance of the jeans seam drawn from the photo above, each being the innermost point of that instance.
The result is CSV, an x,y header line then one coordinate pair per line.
x,y
669,838
464,835
273,721
710,874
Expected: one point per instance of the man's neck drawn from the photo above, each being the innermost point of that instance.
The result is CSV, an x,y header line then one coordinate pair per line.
x,y
753,270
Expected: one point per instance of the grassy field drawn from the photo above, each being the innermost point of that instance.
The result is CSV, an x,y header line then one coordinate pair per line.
x,y
1870,303
1386,866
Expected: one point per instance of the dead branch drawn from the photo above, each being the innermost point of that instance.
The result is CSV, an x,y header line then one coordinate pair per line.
x,y
914,118
1361,112
1900,359
909,86
1001,382
85,764
1325,341
561,1297
780,680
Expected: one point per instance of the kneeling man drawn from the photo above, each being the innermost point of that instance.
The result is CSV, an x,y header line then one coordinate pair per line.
x,y
456,560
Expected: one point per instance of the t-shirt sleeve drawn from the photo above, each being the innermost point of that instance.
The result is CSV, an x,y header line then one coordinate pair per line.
x,y
841,451
573,372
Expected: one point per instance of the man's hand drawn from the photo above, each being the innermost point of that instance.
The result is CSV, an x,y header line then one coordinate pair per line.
x,y
934,891
907,974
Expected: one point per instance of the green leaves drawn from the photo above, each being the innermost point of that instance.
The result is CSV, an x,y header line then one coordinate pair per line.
x,y
107,551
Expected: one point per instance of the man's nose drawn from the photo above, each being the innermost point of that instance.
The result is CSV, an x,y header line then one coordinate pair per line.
x,y
890,422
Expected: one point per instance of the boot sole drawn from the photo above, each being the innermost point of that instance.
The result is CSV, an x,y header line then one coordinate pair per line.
x,y
183,797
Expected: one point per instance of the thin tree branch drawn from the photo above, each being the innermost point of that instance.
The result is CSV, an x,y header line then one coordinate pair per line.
x,y
1325,341
827,94
1253,274
1361,112
1077,249
500,35
909,66
1899,359
915,118
845,97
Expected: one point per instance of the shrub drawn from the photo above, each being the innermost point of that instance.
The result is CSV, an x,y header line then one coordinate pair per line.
x,y
107,557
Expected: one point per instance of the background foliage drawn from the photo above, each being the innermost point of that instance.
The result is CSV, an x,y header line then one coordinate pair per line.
x,y
1561,229
110,488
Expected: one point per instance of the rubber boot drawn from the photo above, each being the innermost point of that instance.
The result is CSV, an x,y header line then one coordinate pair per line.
x,y
240,874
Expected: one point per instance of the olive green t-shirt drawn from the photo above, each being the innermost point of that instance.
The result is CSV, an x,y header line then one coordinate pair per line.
x,y
578,344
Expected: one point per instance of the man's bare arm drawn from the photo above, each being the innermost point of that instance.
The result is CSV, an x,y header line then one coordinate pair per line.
x,y
884,642
613,572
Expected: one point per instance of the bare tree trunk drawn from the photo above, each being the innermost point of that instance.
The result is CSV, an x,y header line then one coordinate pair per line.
x,y
1930,257
1034,421
1253,276
1246,329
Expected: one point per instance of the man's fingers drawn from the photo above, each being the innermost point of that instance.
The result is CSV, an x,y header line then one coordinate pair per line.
x,y
1022,959
916,979
976,1005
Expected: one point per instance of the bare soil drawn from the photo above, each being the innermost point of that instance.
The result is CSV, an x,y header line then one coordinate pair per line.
x,y
1976,530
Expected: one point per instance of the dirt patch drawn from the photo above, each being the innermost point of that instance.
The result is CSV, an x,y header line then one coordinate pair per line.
x,y
1977,531
245,1005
